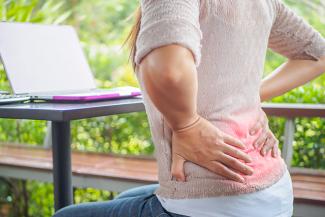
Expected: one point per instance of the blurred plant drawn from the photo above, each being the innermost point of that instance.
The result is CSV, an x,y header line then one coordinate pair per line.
x,y
92,195
33,11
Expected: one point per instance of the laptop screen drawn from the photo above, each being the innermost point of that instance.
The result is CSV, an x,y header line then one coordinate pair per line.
x,y
43,58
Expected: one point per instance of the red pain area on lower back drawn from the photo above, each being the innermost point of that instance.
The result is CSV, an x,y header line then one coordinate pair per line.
x,y
239,126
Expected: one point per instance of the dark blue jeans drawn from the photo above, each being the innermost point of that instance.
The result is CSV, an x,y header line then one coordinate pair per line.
x,y
136,202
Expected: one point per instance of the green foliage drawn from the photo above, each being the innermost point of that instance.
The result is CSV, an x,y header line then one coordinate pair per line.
x,y
102,35
122,134
92,195
310,134
102,28
41,199
33,11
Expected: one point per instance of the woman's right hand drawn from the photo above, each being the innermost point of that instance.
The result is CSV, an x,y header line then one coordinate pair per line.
x,y
204,144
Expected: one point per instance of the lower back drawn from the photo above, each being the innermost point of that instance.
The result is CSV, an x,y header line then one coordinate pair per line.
x,y
201,182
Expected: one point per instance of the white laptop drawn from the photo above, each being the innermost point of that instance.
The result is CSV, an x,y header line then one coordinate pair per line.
x,y
47,62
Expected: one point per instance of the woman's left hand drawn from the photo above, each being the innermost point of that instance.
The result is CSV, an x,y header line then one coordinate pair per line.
x,y
266,138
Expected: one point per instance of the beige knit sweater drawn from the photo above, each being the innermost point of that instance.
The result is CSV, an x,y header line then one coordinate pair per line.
x,y
229,40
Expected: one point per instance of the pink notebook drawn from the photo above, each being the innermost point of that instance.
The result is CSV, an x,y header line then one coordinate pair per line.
x,y
92,95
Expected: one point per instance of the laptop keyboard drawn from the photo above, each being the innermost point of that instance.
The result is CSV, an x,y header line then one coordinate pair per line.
x,y
7,99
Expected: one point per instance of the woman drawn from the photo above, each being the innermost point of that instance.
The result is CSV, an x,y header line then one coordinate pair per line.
x,y
199,65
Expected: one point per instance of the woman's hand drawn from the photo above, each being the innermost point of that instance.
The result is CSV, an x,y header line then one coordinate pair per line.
x,y
204,144
266,139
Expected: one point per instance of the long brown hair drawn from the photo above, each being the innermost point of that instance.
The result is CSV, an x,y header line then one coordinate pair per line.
x,y
132,36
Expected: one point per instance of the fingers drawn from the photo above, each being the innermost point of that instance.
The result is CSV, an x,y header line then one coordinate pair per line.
x,y
233,141
224,171
235,164
275,151
261,123
177,169
270,143
261,138
236,153
266,147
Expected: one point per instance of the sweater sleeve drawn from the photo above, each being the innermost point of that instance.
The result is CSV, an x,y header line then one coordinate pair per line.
x,y
166,22
292,37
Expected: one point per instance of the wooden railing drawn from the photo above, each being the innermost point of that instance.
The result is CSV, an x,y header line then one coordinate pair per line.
x,y
290,111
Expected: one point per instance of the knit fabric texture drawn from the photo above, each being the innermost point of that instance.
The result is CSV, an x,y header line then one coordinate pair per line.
x,y
229,40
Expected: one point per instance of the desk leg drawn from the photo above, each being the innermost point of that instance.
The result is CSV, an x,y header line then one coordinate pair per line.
x,y
61,164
